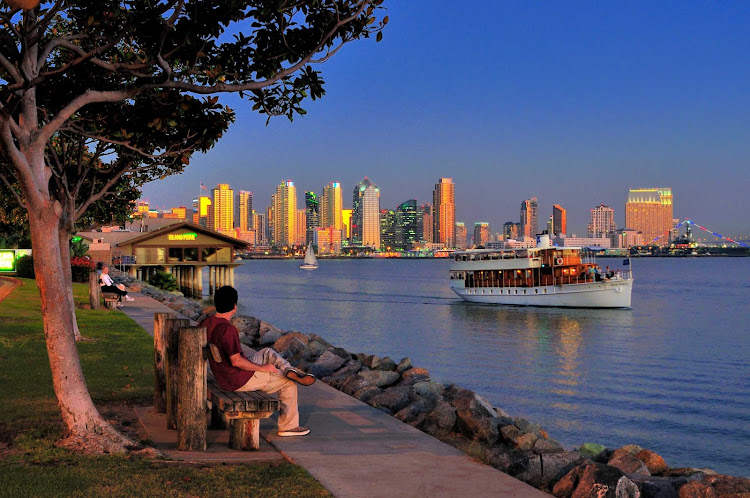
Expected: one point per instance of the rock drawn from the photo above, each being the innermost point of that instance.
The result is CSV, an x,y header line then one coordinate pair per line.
x,y
592,450
543,446
351,367
657,487
148,452
268,334
499,457
317,338
372,362
632,448
598,480
728,486
315,348
441,420
527,427
343,353
394,398
293,342
365,394
525,442
415,371
353,384
429,390
136,287
326,364
415,412
626,489
386,364
654,462
380,378
629,464
413,380
695,489
509,433
470,401
451,391
557,465
336,381
403,365
565,487
688,472
528,469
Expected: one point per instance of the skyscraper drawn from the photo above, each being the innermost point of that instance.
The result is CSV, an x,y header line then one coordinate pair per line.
x,y
529,218
346,223
481,233
460,235
312,212
444,213
424,226
221,218
366,214
510,230
649,210
388,222
259,222
331,204
201,209
407,224
559,220
244,211
301,232
602,222
285,214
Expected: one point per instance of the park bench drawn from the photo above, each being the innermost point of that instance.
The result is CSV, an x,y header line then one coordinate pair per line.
x,y
110,300
240,411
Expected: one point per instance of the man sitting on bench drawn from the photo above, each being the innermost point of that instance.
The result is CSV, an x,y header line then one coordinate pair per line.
x,y
265,371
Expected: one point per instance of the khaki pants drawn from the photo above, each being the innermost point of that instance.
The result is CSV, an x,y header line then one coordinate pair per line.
x,y
272,383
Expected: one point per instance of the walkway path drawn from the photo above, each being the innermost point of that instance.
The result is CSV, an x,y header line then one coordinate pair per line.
x,y
356,450
7,284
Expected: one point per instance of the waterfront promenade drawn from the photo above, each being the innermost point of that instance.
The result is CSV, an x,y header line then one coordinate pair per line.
x,y
353,449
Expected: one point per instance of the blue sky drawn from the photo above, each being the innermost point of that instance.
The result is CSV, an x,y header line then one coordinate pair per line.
x,y
571,102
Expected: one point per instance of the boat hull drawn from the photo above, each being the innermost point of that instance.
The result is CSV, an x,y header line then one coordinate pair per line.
x,y
607,294
308,267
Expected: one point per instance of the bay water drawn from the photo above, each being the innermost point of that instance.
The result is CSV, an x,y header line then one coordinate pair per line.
x,y
672,374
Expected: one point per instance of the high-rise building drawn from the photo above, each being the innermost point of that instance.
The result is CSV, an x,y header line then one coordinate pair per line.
x,y
328,240
407,224
388,222
510,230
481,233
243,218
259,222
602,222
176,213
269,222
331,204
221,212
201,208
366,214
444,212
559,220
301,224
312,212
141,209
550,226
649,211
346,223
529,218
460,235
424,223
285,215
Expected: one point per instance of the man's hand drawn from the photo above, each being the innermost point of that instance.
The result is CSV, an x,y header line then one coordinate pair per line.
x,y
269,368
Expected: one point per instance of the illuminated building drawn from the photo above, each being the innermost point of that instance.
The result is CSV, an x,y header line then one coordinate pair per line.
x,y
649,211
301,227
559,220
461,235
176,213
346,221
510,230
328,240
625,238
481,233
550,226
285,215
244,211
602,222
424,229
141,209
331,204
269,222
259,222
407,224
312,219
366,214
388,221
201,207
444,213
529,219
221,212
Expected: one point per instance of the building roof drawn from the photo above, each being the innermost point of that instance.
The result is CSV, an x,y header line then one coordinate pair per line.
x,y
238,244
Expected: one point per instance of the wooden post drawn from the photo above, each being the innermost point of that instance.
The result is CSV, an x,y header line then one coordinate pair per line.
x,y
244,434
191,390
94,290
171,356
160,353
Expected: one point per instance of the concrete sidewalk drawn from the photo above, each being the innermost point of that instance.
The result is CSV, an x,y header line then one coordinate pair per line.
x,y
353,449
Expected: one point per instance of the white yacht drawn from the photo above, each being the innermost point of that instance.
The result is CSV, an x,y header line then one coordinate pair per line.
x,y
310,262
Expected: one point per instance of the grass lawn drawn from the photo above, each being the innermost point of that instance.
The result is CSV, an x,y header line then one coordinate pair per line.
x,y
118,369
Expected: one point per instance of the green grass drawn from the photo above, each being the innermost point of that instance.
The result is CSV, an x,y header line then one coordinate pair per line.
x,y
118,368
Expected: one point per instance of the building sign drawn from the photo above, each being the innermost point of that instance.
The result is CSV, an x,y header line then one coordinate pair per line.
x,y
7,260
182,236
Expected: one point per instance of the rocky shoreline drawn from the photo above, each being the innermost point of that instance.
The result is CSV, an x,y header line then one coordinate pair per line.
x,y
466,420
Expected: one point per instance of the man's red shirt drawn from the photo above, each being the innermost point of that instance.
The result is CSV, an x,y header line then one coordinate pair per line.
x,y
226,336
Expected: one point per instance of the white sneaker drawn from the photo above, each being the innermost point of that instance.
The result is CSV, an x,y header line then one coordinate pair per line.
x,y
128,298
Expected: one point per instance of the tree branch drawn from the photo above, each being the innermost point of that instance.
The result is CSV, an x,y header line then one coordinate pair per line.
x,y
18,197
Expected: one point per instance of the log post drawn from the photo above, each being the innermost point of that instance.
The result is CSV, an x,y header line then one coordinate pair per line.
x,y
244,434
94,290
160,353
191,389
173,325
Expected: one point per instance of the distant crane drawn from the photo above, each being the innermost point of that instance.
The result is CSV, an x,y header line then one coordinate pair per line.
x,y
689,231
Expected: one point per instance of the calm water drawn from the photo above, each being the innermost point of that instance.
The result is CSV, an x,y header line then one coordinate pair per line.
x,y
672,374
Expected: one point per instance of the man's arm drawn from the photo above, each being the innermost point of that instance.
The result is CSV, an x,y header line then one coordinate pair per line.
x,y
237,360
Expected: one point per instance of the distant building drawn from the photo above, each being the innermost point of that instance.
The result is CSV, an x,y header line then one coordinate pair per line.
x,y
481,233
259,222
285,215
444,213
312,219
559,220
602,222
649,210
510,230
461,235
573,241
388,223
328,240
177,213
625,237
550,226
243,209
366,214
529,224
201,208
221,211
407,224
346,224
331,204
424,229
141,208
301,227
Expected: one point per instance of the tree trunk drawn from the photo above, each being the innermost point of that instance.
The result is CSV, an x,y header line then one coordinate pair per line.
x,y
94,290
86,429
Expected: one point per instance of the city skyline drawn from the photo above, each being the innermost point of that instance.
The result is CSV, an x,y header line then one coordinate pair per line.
x,y
572,104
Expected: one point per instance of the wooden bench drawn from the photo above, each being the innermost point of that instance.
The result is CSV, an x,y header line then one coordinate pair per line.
x,y
110,300
241,411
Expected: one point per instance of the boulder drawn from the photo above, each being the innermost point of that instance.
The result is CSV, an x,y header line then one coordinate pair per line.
x,y
428,389
467,400
629,464
293,342
371,361
336,381
351,367
728,486
695,489
509,433
441,420
527,427
317,338
592,450
403,365
528,469
268,334
380,378
386,364
525,442
543,446
565,487
394,398
354,383
654,462
343,353
315,348
598,480
657,487
414,380
415,412
626,489
557,465
365,394
326,364
415,371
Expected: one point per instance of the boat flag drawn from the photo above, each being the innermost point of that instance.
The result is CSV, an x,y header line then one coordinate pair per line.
x,y
626,262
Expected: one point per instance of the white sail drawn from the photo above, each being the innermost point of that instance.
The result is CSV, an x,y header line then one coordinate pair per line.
x,y
310,262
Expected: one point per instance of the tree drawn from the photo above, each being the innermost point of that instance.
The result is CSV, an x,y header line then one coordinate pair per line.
x,y
104,95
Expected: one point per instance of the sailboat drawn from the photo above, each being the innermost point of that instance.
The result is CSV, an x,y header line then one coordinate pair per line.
x,y
310,262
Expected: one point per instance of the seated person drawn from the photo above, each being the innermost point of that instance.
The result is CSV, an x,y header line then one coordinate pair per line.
x,y
264,371
107,285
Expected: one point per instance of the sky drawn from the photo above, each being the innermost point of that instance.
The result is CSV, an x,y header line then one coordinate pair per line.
x,y
571,102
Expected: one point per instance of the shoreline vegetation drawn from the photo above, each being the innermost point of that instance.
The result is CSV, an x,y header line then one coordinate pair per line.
x,y
118,363
467,421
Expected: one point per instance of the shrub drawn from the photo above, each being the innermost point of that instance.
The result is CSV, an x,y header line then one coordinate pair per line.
x,y
81,267
25,266
163,280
